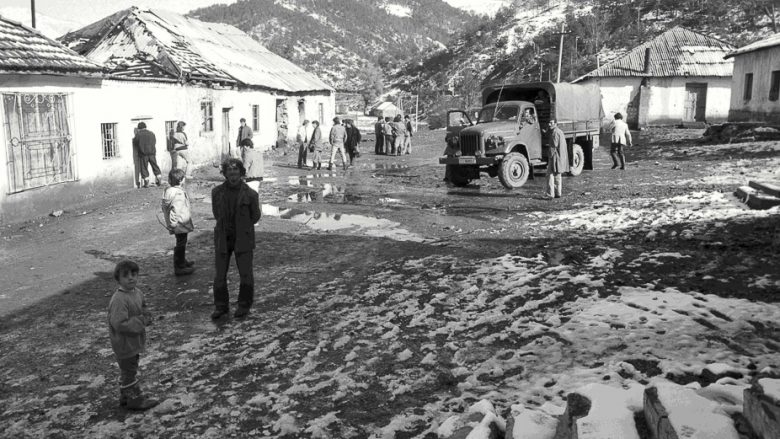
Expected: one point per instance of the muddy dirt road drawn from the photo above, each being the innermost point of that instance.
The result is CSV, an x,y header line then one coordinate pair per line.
x,y
386,298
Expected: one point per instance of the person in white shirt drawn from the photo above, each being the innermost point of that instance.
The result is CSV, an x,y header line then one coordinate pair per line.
x,y
304,135
621,138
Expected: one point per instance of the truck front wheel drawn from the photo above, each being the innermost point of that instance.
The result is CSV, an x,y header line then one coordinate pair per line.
x,y
577,160
514,170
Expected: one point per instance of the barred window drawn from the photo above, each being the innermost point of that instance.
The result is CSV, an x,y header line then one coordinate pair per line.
x,y
255,117
108,133
321,112
207,116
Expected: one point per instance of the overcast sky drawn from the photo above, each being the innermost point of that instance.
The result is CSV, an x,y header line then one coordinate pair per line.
x,y
83,12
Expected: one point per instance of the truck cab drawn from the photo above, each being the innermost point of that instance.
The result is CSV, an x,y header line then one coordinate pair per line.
x,y
507,137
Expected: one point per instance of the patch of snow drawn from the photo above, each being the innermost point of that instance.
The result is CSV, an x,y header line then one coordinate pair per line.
x,y
694,414
398,10
771,387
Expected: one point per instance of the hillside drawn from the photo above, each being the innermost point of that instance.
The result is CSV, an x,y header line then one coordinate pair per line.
x,y
343,40
520,43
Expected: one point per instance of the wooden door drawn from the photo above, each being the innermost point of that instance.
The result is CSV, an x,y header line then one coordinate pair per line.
x,y
695,102
226,150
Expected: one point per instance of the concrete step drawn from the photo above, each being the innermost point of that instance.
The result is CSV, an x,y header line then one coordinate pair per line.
x,y
675,412
756,199
762,410
767,188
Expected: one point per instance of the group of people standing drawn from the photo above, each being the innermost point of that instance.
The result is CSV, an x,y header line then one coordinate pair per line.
x,y
236,208
344,139
393,137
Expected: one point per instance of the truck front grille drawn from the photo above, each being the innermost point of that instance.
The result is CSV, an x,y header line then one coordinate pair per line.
x,y
469,144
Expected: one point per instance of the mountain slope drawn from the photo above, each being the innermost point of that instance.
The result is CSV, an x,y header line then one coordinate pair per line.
x,y
338,38
521,42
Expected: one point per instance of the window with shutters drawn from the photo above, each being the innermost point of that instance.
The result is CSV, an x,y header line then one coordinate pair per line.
x,y
207,116
255,117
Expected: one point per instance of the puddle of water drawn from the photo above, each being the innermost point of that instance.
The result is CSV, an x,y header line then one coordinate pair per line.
x,y
369,226
328,190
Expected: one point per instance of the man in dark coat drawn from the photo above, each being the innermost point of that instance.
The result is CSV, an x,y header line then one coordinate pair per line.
x,y
236,207
144,142
557,160
353,140
378,136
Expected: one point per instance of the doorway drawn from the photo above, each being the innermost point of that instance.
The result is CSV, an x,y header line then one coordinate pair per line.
x,y
226,150
281,123
695,102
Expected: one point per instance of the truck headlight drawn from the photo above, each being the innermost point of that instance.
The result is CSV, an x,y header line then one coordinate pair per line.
x,y
493,142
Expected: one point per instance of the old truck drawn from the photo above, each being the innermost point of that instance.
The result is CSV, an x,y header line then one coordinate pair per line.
x,y
507,137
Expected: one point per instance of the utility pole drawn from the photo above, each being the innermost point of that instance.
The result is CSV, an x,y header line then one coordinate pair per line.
x,y
32,9
560,49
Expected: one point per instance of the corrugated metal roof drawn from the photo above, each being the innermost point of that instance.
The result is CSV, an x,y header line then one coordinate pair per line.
x,y
25,50
676,52
766,43
191,49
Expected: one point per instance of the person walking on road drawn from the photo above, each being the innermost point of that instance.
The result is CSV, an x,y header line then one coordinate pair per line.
x,y
353,140
304,135
338,137
557,160
244,133
621,138
315,145
408,132
145,142
236,207
387,133
379,138
180,145
399,136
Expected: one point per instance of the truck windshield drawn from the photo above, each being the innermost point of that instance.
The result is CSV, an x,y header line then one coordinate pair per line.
x,y
502,112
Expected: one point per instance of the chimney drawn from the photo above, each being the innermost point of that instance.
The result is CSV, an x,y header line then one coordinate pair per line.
x,y
647,60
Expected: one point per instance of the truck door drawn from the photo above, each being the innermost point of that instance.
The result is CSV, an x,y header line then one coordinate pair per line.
x,y
529,133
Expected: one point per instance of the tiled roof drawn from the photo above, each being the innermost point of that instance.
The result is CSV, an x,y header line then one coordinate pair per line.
x,y
25,50
190,49
766,43
676,52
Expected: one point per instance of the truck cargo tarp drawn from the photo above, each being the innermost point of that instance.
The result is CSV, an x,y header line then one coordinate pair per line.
x,y
573,102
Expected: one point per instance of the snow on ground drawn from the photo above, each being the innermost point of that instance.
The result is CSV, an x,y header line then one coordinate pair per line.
x,y
530,22
486,7
697,211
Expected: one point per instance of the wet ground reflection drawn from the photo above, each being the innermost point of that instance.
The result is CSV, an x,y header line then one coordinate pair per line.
x,y
324,221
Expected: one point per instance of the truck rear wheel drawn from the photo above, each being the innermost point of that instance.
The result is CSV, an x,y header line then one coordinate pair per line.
x,y
514,170
577,160
457,176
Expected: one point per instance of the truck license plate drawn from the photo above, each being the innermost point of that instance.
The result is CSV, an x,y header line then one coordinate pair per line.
x,y
468,160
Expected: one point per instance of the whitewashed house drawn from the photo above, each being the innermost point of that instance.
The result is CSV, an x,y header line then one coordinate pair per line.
x,y
43,145
756,82
680,76
208,74
69,119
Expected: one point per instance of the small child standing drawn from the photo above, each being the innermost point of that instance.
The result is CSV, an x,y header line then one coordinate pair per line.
x,y
178,220
127,322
